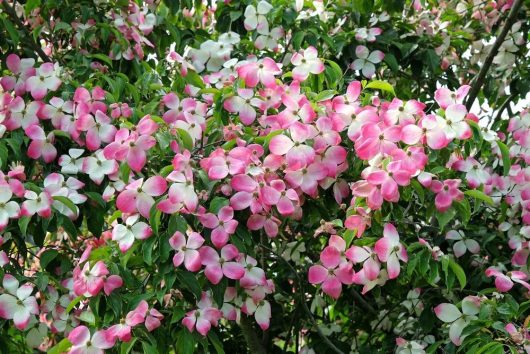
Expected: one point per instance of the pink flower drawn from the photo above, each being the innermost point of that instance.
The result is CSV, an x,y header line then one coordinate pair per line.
x,y
504,282
463,244
376,139
90,281
153,320
36,204
261,310
358,222
182,189
366,256
306,62
138,195
389,180
22,70
243,105
126,234
98,129
203,317
16,303
224,265
366,60
45,80
187,251
83,343
449,313
307,178
297,153
390,250
446,192
262,71
97,167
222,225
446,97
41,144
334,270
9,209
133,319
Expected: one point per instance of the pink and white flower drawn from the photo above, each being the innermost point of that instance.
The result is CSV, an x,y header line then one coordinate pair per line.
x,y
306,62
16,303
187,250
390,250
133,229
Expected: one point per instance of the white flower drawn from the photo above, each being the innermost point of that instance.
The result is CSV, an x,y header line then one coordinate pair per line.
x,y
366,60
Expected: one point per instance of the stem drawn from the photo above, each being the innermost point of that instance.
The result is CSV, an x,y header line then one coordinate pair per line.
x,y
479,79
255,345
29,38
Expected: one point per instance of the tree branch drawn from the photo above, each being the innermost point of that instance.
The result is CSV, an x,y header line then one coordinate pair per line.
x,y
28,36
255,346
479,79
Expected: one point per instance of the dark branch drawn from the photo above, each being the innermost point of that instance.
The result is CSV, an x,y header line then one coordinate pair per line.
x,y
479,79
29,38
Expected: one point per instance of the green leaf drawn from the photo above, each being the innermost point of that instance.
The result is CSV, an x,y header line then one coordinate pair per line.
x,y
191,282
23,223
445,217
297,39
381,85
459,272
464,210
126,347
66,202
391,61
325,95
96,197
48,256
216,342
102,57
13,33
185,138
62,347
475,193
506,161
185,342
74,302
154,218
217,203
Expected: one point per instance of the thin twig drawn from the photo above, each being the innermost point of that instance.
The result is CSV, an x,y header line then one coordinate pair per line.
x,y
29,38
304,304
479,80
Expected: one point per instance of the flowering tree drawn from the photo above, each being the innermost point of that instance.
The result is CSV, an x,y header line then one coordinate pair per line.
x,y
264,176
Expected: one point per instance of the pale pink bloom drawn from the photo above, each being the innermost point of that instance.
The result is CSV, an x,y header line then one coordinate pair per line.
x,y
133,229
261,309
222,225
203,317
17,303
269,39
368,258
306,62
9,209
224,265
122,331
359,221
369,191
90,281
403,113
267,222
390,250
153,319
455,125
446,97
376,139
504,282
45,80
98,129
366,61
55,185
278,195
389,180
446,192
254,275
97,166
36,204
41,144
367,34
59,111
463,244
182,189
334,269
297,153
73,162
255,17
187,250
449,313
22,70
248,194
243,105
83,343
262,71
22,115
307,178
138,195
476,174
